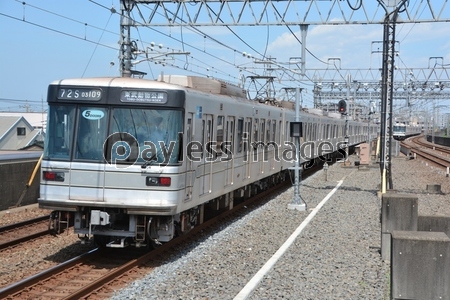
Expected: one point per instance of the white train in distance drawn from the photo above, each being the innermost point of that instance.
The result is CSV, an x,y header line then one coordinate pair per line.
x,y
136,162
401,131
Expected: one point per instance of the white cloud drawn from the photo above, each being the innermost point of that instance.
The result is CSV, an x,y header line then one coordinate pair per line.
x,y
351,44
360,46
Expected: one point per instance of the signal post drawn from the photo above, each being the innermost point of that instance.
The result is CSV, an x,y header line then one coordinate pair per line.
x,y
342,107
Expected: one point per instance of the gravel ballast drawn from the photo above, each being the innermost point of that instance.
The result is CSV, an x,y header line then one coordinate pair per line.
x,y
336,256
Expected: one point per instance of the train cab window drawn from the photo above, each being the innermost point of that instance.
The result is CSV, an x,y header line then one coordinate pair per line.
x,y
156,131
60,125
91,133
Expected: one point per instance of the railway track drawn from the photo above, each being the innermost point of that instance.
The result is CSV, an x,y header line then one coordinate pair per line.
x,y
439,155
99,272
21,232
96,274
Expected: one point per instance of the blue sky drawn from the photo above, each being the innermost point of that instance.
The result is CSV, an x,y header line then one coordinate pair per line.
x,y
47,40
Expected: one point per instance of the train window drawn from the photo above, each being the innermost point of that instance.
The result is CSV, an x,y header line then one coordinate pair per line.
x,y
155,130
209,131
255,131
280,136
310,131
287,136
268,132
91,133
202,142
314,132
60,126
274,129
219,135
189,138
240,131
247,134
263,126
230,134
305,131
320,131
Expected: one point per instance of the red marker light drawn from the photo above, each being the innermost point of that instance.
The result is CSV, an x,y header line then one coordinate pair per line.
x,y
165,181
53,176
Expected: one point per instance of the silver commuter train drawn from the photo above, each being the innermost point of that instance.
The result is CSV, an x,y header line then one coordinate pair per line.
x,y
134,162
401,131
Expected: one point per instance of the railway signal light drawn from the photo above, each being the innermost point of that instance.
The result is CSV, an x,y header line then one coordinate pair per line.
x,y
342,106
296,129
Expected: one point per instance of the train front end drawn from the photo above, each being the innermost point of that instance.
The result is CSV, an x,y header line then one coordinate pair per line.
x,y
112,162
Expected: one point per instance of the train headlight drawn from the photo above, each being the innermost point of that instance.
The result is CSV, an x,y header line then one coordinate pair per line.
x,y
158,181
53,176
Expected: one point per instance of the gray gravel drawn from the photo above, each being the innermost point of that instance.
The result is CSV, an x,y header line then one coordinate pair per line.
x,y
335,257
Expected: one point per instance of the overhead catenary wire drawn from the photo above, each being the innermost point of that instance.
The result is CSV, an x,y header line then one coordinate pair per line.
x,y
207,69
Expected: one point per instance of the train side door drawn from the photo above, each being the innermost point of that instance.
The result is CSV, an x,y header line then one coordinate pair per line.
x,y
229,161
248,147
87,180
262,148
190,172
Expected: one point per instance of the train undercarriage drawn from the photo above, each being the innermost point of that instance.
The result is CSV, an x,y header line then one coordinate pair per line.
x,y
114,227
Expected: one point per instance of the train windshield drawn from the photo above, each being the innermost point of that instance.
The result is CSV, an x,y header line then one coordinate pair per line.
x,y
151,135
399,128
119,135
60,128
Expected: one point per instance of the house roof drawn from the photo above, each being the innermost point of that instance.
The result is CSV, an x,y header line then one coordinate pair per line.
x,y
8,123
35,119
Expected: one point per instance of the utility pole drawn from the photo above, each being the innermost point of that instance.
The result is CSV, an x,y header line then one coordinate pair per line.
x,y
387,83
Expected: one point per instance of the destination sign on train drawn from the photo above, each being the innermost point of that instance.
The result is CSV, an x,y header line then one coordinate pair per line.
x,y
142,96
80,94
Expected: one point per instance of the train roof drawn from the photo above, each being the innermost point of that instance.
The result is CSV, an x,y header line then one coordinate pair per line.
x,y
189,83
174,82
111,82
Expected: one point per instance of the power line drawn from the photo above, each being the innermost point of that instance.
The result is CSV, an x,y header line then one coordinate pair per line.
x,y
112,11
